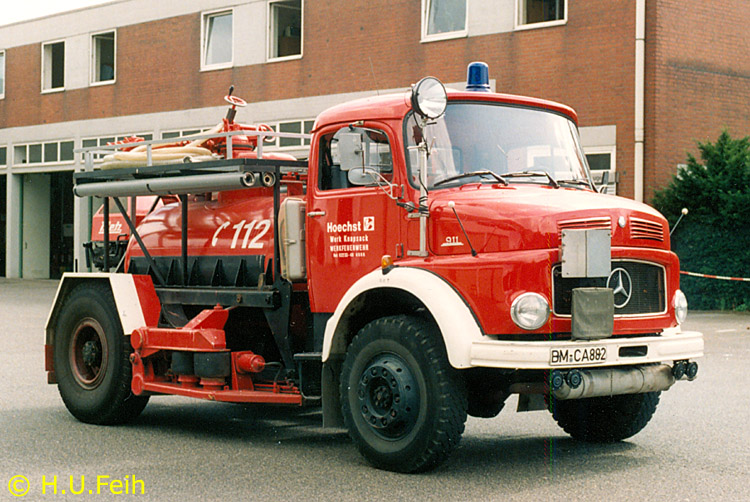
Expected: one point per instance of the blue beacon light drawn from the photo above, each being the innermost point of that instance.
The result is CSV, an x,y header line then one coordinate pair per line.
x,y
478,77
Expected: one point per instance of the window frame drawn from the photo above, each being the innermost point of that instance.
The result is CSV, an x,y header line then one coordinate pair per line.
x,y
42,144
92,61
180,133
271,32
533,26
449,35
328,133
2,72
205,15
44,67
604,150
303,143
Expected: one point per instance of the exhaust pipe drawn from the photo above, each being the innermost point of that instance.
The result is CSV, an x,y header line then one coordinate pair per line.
x,y
606,382
613,381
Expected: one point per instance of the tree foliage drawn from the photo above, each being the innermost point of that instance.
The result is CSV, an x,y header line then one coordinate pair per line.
x,y
714,237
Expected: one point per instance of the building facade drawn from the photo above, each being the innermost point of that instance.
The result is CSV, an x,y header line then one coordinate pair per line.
x,y
648,79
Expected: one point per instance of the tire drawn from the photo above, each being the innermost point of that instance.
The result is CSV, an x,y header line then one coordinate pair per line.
x,y
605,419
404,405
92,358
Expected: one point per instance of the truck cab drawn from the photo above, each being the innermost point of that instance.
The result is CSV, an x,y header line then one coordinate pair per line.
x,y
439,251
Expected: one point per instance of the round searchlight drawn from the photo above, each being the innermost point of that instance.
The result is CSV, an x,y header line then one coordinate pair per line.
x,y
530,311
429,98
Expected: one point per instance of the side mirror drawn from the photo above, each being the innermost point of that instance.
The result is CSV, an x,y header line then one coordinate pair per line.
x,y
604,182
351,150
363,177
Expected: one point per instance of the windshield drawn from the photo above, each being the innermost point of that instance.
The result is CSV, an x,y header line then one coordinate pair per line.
x,y
521,145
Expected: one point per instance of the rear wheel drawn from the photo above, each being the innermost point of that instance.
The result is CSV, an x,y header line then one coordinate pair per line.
x,y
403,403
605,419
92,358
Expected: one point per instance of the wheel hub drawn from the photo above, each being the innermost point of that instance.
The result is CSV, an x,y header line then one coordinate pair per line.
x,y
388,396
91,353
88,349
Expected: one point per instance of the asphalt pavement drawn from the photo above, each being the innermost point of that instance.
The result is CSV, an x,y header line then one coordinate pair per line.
x,y
696,448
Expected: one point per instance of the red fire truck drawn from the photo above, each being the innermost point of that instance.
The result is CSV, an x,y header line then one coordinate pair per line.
x,y
438,252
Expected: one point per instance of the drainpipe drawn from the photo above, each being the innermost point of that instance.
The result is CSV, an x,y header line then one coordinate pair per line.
x,y
640,82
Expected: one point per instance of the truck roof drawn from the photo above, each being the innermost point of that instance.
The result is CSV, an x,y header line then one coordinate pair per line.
x,y
395,106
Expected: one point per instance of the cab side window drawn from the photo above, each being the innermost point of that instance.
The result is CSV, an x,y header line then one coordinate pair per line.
x,y
354,157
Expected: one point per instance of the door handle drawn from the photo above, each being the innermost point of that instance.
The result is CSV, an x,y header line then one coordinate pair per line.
x,y
313,214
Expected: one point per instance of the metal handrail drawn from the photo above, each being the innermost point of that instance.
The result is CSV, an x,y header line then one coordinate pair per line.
x,y
90,151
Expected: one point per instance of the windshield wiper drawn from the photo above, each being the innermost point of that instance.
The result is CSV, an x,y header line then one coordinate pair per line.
x,y
526,174
499,178
575,182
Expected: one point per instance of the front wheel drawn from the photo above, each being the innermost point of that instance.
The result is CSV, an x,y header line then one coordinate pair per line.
x,y
605,419
404,405
92,358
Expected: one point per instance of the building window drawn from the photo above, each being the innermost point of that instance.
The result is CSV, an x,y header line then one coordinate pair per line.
x,y
103,57
66,151
285,30
53,66
541,12
2,74
54,152
216,45
182,133
602,161
3,156
35,154
443,19
295,127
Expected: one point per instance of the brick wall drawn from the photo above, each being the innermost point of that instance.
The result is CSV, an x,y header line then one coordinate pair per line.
x,y
587,63
698,80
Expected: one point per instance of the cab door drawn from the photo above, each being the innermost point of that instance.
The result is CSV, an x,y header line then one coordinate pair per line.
x,y
352,219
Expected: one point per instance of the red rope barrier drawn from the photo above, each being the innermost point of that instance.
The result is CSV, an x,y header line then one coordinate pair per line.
x,y
720,277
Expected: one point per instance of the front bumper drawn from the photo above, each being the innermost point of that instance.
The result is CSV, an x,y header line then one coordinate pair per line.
x,y
671,345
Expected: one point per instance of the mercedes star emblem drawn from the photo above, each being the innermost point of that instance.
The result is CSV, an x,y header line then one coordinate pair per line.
x,y
622,286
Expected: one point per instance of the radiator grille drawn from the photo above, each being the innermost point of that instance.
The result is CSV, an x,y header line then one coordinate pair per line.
x,y
645,229
645,283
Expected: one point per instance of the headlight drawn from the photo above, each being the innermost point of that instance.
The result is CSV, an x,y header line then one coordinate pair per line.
x,y
530,311
680,306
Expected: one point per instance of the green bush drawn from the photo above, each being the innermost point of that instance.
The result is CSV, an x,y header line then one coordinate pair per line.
x,y
714,237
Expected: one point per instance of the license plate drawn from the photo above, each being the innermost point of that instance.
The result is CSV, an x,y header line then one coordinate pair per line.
x,y
578,356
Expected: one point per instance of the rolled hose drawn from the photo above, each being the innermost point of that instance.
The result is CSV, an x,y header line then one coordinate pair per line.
x,y
185,153
192,152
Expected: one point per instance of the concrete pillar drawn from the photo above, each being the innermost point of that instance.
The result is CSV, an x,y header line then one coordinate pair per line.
x,y
81,232
13,232
35,226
